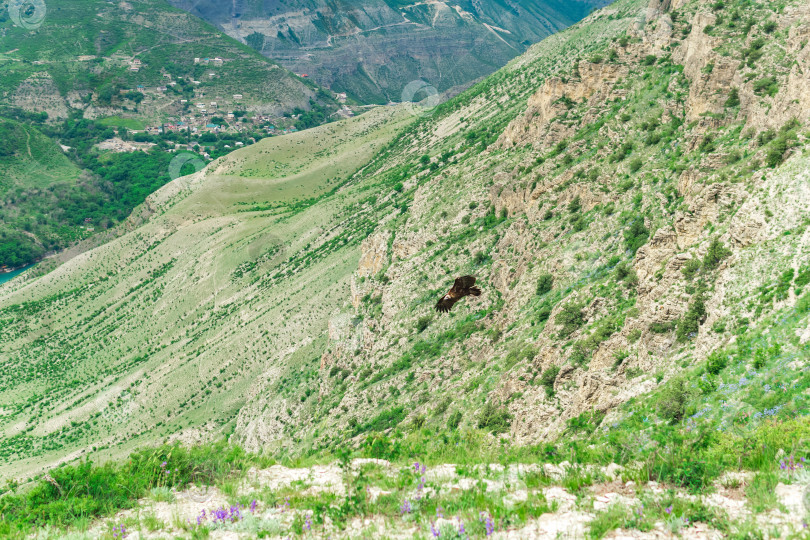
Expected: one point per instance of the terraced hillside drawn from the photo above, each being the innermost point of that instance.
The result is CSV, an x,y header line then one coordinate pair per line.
x,y
372,49
632,196
111,59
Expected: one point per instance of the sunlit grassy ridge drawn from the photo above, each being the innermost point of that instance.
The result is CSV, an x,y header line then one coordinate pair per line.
x,y
195,261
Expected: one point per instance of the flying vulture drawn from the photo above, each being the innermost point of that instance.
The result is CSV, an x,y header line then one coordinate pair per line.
x,y
461,288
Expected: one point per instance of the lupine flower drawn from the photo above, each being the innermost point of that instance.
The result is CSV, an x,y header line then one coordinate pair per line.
x,y
308,523
435,531
439,513
406,507
668,509
253,506
461,530
790,464
489,523
163,465
420,488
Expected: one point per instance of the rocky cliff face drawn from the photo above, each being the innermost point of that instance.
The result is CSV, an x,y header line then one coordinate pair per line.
x,y
372,49
635,177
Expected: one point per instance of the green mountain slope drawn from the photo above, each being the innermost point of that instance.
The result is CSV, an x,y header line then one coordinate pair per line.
x,y
229,227
631,194
90,68
371,49
82,55
32,166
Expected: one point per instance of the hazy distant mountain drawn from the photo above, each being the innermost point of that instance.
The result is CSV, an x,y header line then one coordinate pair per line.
x,y
371,49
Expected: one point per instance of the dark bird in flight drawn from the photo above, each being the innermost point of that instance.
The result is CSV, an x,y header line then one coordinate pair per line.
x,y
461,288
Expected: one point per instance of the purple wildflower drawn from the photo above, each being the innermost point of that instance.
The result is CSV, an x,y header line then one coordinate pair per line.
x,y
308,523
461,530
253,506
489,523
668,509
163,465
406,507
434,530
439,513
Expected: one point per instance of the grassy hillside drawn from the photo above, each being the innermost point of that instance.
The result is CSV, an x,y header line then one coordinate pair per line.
x,y
223,232
631,195
90,71
33,165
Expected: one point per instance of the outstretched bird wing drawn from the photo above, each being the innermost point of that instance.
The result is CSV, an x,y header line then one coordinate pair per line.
x,y
446,303
463,283
461,288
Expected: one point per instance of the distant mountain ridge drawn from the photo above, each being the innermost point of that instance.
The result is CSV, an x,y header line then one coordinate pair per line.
x,y
371,49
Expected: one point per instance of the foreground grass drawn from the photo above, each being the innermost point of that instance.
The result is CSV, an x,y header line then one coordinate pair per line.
x,y
73,496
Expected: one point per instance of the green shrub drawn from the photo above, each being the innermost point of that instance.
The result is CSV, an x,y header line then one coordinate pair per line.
x,y
715,254
716,362
767,86
672,402
636,235
662,327
422,323
760,358
543,313
548,378
769,27
494,419
586,422
454,420
635,165
544,284
571,318
733,98
384,420
691,268
690,323
776,154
